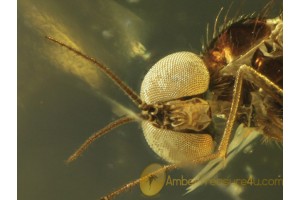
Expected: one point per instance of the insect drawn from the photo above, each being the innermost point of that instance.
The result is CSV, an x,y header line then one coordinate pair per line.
x,y
237,79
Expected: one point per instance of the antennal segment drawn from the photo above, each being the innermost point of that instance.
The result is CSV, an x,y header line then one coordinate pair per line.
x,y
92,138
132,95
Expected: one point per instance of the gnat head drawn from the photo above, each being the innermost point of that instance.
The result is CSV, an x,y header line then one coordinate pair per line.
x,y
171,122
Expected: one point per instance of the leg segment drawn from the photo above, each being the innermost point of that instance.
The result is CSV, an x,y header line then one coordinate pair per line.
x,y
247,73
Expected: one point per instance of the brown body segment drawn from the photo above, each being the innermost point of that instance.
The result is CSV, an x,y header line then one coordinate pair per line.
x,y
234,41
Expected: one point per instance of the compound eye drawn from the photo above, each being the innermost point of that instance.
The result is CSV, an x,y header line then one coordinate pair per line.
x,y
174,76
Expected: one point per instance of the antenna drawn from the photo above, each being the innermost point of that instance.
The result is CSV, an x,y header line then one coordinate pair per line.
x,y
126,89
98,134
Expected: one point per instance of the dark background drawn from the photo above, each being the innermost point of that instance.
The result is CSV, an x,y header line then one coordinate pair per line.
x,y
60,96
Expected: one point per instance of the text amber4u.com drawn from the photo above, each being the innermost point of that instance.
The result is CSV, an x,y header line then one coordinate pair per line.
x,y
227,181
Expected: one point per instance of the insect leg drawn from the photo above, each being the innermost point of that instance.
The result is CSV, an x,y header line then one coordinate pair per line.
x,y
247,73
130,185
170,167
